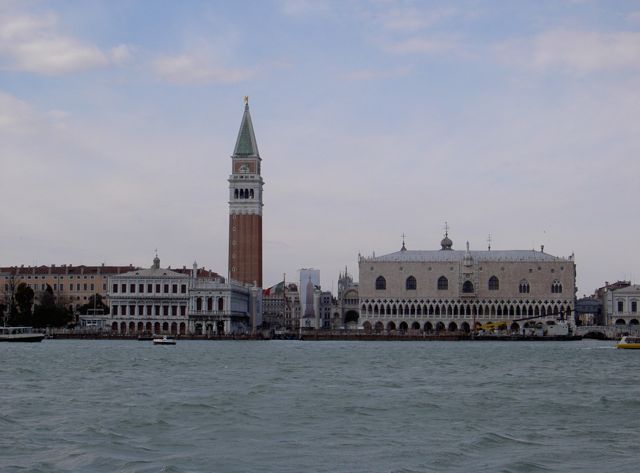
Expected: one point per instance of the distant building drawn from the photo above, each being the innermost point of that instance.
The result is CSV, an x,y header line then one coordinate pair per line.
x,y
309,282
449,290
588,311
72,286
163,301
347,309
281,306
621,305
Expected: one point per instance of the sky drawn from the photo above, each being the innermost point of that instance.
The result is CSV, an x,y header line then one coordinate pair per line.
x,y
374,119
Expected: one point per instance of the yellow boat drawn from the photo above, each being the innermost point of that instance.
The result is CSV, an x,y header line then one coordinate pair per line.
x,y
629,342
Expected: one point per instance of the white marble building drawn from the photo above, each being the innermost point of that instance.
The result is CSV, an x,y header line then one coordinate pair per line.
x,y
621,306
449,290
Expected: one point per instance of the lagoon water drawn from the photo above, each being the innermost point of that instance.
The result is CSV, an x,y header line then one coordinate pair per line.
x,y
291,406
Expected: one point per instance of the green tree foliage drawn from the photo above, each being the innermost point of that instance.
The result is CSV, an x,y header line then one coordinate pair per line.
x,y
48,313
21,310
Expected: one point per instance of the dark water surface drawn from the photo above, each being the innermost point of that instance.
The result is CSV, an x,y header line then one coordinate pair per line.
x,y
288,406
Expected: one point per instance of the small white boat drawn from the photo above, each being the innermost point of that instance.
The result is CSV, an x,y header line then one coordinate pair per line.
x,y
19,334
164,340
629,342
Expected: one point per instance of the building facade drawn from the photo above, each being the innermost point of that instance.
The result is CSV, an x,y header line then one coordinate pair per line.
x,y
450,290
347,308
621,305
245,207
72,286
163,301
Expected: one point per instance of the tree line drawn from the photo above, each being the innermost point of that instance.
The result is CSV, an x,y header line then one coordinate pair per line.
x,y
21,309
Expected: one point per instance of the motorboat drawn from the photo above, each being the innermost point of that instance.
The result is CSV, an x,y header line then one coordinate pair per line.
x,y
19,334
164,340
629,342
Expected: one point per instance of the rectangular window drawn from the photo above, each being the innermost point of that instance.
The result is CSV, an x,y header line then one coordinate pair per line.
x,y
115,310
620,306
132,288
149,310
149,288
71,287
104,286
140,310
634,306
183,310
183,289
132,310
85,286
62,287
165,310
174,310
92,287
140,288
123,288
157,309
158,290
55,287
174,288
78,287
166,289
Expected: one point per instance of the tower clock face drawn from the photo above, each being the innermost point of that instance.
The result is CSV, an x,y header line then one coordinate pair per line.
x,y
244,168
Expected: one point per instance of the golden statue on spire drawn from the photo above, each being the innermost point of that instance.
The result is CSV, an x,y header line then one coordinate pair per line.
x,y
246,100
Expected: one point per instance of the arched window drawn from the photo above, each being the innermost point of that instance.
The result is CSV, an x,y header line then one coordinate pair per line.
x,y
523,288
251,193
467,287
443,283
411,283
494,283
220,303
556,287
235,193
381,283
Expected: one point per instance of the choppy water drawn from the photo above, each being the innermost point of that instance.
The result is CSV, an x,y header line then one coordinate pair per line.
x,y
279,406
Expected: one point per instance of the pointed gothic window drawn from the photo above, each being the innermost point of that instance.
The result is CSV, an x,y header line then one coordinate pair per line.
x,y
494,283
556,287
411,283
381,283
523,288
467,287
443,283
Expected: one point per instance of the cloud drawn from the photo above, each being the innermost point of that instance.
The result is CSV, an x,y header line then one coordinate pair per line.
x,y
121,54
412,19
419,45
579,52
194,68
33,43
15,115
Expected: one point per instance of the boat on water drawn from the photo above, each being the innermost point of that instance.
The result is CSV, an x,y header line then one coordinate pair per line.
x,y
629,342
20,334
164,340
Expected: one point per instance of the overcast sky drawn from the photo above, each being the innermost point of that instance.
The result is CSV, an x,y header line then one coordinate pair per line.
x,y
373,119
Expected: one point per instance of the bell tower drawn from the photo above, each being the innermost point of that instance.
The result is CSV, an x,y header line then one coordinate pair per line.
x,y
245,206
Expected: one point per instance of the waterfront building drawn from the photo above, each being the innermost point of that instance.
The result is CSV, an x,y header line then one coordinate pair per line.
x,y
72,286
621,305
451,290
281,306
153,300
185,302
245,206
347,308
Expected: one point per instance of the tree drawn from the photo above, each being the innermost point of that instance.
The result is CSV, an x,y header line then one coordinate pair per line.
x,y
95,305
21,309
48,313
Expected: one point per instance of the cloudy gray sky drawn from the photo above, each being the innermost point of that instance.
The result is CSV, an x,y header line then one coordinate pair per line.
x,y
373,118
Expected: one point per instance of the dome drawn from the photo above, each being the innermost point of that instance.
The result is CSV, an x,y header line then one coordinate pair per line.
x,y
446,242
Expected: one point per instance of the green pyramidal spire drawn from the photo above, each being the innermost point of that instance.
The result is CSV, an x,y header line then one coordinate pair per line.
x,y
246,144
